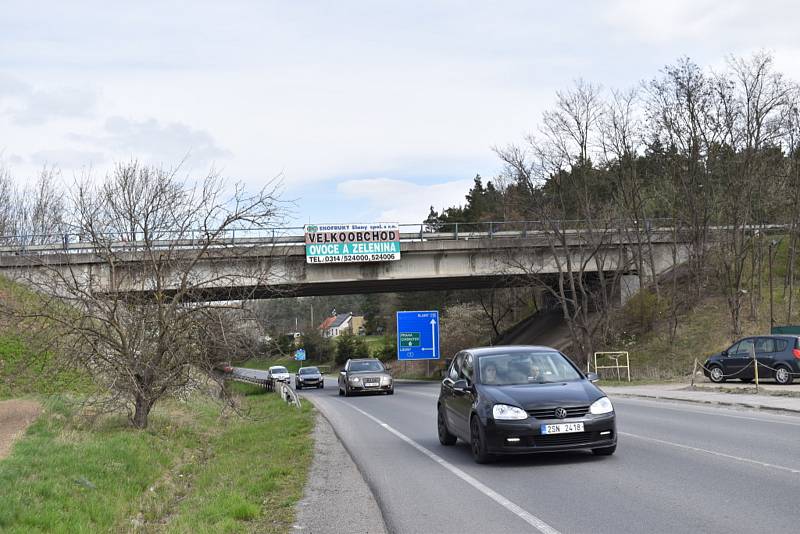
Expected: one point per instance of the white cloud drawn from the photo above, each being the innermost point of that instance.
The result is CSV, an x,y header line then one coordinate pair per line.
x,y
686,25
27,105
403,201
156,143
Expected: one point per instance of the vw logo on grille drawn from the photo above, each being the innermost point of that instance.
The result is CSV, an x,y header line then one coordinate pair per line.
x,y
561,413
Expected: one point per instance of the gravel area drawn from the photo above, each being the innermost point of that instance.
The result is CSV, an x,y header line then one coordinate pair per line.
x,y
15,416
336,499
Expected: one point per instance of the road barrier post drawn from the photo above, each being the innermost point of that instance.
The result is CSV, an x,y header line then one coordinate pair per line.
x,y
755,364
694,371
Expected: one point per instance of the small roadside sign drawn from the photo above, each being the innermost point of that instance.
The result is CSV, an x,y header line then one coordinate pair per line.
x,y
300,354
418,335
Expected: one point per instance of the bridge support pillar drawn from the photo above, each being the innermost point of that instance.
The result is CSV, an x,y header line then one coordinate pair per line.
x,y
628,287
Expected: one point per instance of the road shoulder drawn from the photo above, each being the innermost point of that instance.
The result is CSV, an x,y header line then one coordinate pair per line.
x,y
774,403
336,499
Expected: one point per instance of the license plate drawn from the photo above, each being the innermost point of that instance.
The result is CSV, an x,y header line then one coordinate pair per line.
x,y
371,382
563,428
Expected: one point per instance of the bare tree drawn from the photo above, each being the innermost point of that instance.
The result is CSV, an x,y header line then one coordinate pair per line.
x,y
135,310
677,108
622,142
556,168
7,211
39,211
792,142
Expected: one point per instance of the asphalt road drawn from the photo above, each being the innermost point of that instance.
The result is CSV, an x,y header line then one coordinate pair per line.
x,y
678,468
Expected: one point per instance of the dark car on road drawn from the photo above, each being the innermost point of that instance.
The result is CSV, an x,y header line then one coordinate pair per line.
x,y
363,376
523,399
778,357
308,377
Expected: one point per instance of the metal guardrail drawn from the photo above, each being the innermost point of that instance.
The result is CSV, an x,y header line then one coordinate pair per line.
x,y
260,378
288,394
293,235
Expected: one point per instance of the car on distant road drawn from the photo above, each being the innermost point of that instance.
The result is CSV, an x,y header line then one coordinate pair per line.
x,y
778,357
308,377
365,375
523,399
278,373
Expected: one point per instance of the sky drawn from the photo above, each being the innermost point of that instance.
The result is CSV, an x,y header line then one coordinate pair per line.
x,y
365,110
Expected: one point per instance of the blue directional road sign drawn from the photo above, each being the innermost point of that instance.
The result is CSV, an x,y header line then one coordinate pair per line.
x,y
418,335
300,354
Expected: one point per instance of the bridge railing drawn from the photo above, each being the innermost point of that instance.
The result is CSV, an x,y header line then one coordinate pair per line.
x,y
293,235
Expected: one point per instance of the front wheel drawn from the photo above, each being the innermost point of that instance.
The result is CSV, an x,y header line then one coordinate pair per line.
x,y
298,387
445,437
340,392
605,451
478,443
321,385
783,376
716,375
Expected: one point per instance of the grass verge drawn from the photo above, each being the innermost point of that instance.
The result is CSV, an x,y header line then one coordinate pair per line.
x,y
191,471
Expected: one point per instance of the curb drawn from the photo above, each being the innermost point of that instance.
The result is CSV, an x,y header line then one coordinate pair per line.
x,y
790,411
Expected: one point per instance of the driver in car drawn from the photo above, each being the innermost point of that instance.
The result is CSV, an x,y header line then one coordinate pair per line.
x,y
534,372
490,374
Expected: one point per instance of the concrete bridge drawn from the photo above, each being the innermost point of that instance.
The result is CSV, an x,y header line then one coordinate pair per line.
x,y
264,264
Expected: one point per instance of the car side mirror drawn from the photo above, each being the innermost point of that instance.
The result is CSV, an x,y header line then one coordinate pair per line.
x,y
724,353
460,386
592,377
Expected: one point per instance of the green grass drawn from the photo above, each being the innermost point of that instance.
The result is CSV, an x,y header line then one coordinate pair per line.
x,y
27,371
26,367
191,471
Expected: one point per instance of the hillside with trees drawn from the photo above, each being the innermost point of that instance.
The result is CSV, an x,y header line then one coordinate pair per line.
x,y
711,155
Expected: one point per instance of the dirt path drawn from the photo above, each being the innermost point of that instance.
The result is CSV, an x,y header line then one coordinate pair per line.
x,y
15,416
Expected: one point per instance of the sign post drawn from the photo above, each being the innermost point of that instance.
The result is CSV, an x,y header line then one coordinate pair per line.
x,y
418,335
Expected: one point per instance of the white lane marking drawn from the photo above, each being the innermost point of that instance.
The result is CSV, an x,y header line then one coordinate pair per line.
x,y
418,393
628,400
714,453
529,518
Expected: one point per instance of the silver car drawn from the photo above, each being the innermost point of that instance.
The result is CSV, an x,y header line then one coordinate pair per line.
x,y
365,375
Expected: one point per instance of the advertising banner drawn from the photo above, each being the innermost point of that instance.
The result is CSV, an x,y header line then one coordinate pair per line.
x,y
352,243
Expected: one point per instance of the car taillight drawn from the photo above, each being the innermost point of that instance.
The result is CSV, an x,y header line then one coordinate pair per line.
x,y
796,353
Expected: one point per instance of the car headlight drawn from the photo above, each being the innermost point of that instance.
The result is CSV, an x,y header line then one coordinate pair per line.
x,y
386,380
504,411
601,406
355,379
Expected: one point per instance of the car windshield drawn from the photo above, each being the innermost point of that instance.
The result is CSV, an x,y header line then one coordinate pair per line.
x,y
277,370
360,367
535,367
309,371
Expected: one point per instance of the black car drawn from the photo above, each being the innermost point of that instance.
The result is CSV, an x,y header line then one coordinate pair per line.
x,y
363,376
778,357
523,399
308,377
